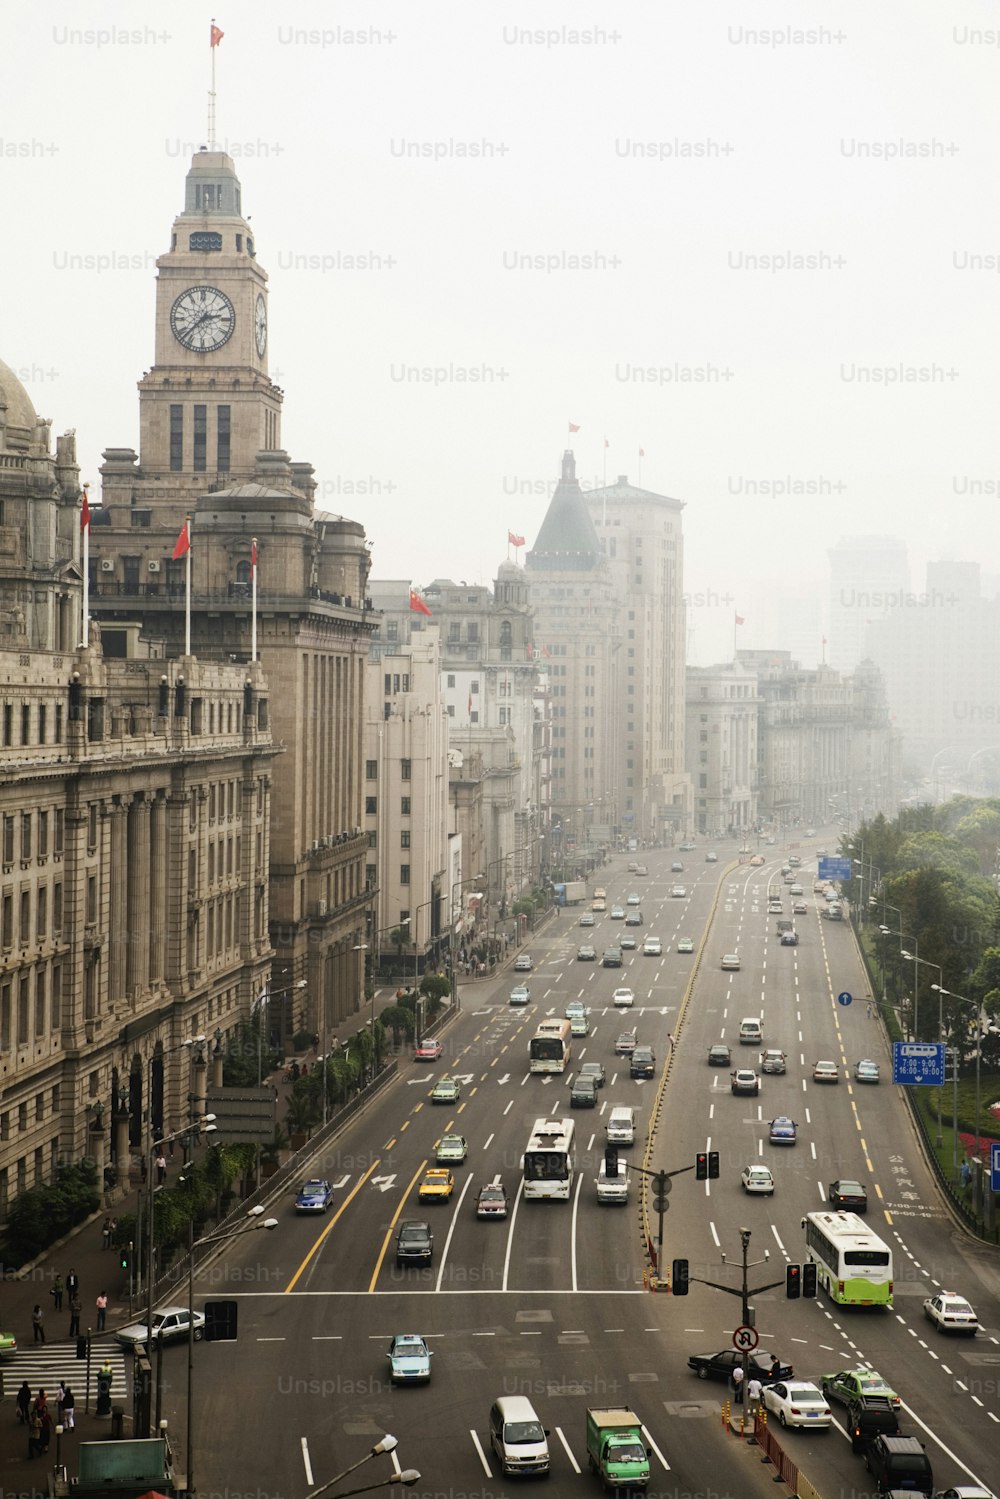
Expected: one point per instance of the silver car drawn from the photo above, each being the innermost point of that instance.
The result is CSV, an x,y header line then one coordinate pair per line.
x,y
169,1322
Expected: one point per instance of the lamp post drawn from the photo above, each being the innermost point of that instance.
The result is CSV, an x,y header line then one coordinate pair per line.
x,y
407,1476
254,1220
928,964
947,994
358,947
387,1444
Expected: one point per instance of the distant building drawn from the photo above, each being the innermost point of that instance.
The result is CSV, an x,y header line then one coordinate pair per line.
x,y
868,576
722,717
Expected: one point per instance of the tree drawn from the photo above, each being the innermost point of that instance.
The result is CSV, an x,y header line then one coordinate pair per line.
x,y
400,1020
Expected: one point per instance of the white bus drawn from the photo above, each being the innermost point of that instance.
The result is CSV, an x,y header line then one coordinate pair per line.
x,y
551,1047
853,1265
550,1159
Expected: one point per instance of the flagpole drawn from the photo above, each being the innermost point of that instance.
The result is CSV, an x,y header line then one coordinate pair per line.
x,y
253,579
187,589
640,469
211,98
85,633
604,485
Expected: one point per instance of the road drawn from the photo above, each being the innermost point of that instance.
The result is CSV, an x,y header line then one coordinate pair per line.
x,y
551,1302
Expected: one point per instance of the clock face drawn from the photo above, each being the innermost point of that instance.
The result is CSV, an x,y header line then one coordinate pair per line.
x,y
260,325
202,319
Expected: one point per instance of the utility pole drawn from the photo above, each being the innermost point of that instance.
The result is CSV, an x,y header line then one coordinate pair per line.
x,y
744,1292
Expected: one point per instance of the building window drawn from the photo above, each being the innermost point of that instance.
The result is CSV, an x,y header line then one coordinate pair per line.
x,y
404,770
176,439
43,726
57,907
371,838
404,806
392,629
7,922
22,1015
371,805
200,439
26,724
8,840
371,875
8,723
42,912
371,770
404,874
25,917
224,439
451,683
404,838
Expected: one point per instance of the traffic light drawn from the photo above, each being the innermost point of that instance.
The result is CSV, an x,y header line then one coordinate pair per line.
x,y
123,1255
809,1278
679,1278
713,1164
701,1166
610,1162
793,1282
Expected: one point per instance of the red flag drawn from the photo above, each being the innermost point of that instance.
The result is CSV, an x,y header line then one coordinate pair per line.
x,y
529,650
740,620
515,541
606,443
573,427
216,35
417,604
470,704
546,651
183,544
824,640
253,556
85,512
642,452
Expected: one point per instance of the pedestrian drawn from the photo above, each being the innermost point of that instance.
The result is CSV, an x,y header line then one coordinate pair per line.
x,y
57,1292
24,1402
670,1039
161,1167
754,1388
34,1433
75,1308
775,1367
60,1398
870,1011
72,1284
45,1421
738,1384
69,1409
102,1310
106,1234
965,1172
38,1324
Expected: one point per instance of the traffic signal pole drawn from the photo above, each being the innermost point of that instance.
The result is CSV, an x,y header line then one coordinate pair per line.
x,y
744,1292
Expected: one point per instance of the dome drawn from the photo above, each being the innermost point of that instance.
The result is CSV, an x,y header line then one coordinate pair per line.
x,y
19,418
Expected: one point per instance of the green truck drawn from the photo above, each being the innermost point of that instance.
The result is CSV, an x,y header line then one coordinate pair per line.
x,y
616,1450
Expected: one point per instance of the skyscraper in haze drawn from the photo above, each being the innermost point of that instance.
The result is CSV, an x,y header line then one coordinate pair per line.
x,y
868,576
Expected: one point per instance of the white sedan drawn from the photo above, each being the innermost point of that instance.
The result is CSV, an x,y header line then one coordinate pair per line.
x,y
797,1404
678,892
623,999
757,1179
951,1313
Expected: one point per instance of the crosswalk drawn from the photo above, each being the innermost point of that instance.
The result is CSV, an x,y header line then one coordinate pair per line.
x,y
43,1365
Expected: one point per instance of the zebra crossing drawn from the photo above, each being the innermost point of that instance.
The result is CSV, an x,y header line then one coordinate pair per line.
x,y
43,1365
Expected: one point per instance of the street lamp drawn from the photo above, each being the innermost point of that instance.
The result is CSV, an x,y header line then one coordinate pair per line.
x,y
254,1220
387,1444
358,947
947,994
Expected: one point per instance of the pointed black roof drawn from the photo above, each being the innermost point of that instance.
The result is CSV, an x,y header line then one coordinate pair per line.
x,y
567,541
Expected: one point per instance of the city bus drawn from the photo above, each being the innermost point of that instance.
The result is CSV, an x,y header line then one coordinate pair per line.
x,y
550,1159
853,1265
551,1047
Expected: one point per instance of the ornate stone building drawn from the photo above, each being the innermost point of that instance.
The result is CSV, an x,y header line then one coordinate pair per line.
x,y
210,449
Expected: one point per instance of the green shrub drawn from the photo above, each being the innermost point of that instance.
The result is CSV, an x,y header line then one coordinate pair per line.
x,y
38,1217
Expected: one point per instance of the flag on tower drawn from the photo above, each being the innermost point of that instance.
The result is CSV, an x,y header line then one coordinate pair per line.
x,y
573,427
740,620
546,651
183,543
642,452
216,35
606,443
253,555
85,511
515,540
417,604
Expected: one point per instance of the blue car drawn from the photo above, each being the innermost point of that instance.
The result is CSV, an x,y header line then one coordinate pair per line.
x,y
409,1359
783,1131
313,1196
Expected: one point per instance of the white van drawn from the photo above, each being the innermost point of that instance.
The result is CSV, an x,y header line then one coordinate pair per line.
x,y
613,1188
518,1437
621,1125
751,1031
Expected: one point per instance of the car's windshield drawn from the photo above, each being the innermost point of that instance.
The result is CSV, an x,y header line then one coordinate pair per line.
x,y
516,1433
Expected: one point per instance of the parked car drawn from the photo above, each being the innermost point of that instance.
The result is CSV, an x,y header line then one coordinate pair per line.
x,y
314,1196
409,1359
849,1195
721,1365
169,1323
757,1179
798,1404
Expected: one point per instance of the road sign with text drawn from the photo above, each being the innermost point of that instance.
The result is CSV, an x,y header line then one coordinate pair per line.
x,y
834,869
995,1165
918,1063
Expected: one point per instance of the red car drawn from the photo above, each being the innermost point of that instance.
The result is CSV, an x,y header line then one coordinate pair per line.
x,y
428,1051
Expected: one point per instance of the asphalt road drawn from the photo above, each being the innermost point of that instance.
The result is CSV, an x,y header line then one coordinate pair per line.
x,y
551,1302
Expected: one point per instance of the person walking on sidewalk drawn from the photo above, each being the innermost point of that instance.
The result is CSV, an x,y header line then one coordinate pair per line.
x,y
106,1234
69,1409
102,1310
754,1389
24,1402
57,1292
72,1284
738,1385
38,1324
75,1308
161,1167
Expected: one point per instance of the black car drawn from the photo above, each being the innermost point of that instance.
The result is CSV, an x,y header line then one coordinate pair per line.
x,y
612,957
414,1244
583,1091
721,1365
719,1055
594,1070
848,1194
870,1417
642,1062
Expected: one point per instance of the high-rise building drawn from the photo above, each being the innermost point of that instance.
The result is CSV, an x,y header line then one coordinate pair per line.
x,y
722,710
209,421
868,577
642,538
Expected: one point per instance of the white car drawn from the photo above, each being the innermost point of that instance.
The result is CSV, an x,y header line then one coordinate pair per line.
x,y
168,1323
623,999
685,944
678,892
797,1403
575,1007
731,961
587,919
744,1080
652,947
520,994
758,1179
951,1313
633,899
826,1072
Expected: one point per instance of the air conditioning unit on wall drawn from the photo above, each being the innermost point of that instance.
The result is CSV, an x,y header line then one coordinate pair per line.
x,y
107,565
154,566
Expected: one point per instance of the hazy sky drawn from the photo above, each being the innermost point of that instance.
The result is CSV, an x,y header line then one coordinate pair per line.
x,y
566,204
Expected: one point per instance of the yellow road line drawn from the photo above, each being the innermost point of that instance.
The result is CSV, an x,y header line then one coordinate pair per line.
x,y
392,1223
330,1227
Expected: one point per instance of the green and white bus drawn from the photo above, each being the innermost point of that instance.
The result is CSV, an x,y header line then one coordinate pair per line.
x,y
853,1265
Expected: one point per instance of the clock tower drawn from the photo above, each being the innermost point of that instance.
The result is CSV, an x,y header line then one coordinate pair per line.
x,y
208,406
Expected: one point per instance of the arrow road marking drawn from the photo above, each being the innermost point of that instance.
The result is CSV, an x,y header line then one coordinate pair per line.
x,y
383,1182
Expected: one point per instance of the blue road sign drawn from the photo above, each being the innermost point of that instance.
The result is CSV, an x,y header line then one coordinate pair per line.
x,y
918,1063
835,869
995,1165
845,998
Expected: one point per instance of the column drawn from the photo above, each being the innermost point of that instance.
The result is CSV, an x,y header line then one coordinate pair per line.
x,y
137,963
117,904
157,873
